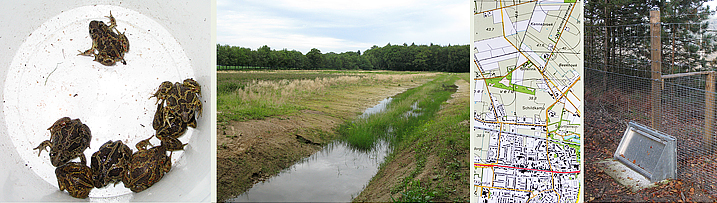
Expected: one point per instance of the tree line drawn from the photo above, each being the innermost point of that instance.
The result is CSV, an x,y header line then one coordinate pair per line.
x,y
451,58
618,35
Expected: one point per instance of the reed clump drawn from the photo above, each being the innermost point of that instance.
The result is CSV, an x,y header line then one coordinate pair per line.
x,y
395,124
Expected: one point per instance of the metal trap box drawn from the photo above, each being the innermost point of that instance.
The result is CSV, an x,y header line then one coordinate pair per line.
x,y
648,152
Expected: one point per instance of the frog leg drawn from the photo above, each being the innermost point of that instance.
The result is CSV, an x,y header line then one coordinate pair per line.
x,y
192,85
119,58
172,144
124,42
142,145
158,99
197,105
104,59
113,23
83,159
162,90
158,119
43,146
167,163
192,122
90,51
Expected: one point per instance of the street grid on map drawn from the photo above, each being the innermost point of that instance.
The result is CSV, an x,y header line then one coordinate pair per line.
x,y
527,101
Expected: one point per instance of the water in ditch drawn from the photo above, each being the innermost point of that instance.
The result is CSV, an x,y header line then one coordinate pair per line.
x,y
337,173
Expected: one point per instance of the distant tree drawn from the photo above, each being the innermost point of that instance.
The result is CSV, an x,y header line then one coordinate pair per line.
x,y
390,57
222,54
315,58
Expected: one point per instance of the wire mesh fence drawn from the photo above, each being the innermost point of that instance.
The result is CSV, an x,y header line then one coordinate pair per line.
x,y
620,80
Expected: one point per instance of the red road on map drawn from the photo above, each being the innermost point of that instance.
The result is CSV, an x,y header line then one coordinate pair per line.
x,y
495,165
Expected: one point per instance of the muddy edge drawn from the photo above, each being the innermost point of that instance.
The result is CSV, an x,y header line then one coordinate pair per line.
x,y
254,150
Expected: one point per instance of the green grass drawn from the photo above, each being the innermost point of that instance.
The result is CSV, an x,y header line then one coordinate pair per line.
x,y
229,87
445,136
371,72
248,95
364,132
259,102
250,110
241,68
416,193
440,135
240,77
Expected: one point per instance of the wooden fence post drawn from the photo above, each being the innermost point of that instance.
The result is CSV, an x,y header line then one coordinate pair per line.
x,y
709,111
656,52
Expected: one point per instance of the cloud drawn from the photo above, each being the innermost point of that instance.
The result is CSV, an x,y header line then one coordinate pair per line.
x,y
339,26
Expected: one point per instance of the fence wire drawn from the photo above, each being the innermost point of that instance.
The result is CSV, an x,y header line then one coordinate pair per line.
x,y
619,80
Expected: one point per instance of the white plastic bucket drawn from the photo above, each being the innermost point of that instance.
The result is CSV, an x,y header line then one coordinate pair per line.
x,y
45,80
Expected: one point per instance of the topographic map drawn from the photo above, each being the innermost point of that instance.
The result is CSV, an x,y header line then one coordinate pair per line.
x,y
527,101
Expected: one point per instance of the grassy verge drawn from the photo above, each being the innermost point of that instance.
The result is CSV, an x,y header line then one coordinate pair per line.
x,y
430,160
255,95
363,132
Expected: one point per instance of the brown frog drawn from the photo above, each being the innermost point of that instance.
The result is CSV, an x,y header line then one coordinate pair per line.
x,y
163,91
168,133
110,162
68,139
180,98
177,104
147,167
76,178
189,102
110,45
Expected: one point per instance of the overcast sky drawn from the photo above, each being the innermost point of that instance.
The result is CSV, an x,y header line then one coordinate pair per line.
x,y
712,4
340,25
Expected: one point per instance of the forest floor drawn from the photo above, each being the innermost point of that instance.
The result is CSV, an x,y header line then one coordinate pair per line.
x,y
604,128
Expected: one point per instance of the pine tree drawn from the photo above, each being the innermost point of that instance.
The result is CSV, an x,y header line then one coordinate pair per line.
x,y
617,35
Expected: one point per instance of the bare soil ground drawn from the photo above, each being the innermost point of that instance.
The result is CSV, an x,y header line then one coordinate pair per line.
x,y
382,188
254,150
